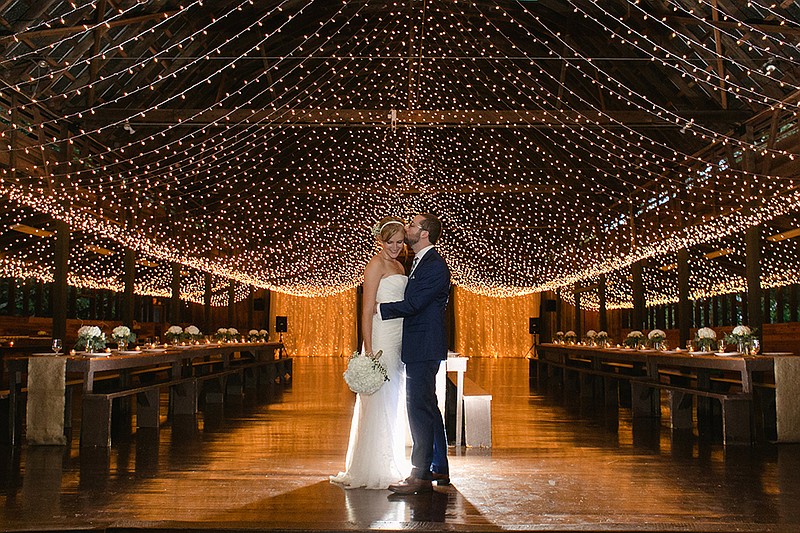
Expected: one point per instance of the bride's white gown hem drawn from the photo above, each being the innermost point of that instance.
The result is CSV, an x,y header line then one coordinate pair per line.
x,y
376,450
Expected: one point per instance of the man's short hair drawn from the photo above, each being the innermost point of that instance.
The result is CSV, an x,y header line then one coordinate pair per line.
x,y
432,225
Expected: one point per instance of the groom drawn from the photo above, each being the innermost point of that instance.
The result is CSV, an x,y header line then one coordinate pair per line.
x,y
424,347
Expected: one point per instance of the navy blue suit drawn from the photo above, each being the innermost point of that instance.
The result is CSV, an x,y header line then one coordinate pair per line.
x,y
424,347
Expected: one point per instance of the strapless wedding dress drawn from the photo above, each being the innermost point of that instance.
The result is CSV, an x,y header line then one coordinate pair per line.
x,y
376,452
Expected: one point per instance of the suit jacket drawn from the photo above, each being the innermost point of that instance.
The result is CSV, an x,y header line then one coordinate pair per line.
x,y
423,310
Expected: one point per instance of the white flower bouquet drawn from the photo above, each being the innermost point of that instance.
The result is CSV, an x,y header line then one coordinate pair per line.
x,y
570,337
174,334
705,338
559,337
656,337
601,338
634,339
743,337
365,374
264,334
123,336
226,334
590,337
192,333
90,339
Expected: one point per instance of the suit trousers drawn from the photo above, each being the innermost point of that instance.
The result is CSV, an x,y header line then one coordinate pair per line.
x,y
429,450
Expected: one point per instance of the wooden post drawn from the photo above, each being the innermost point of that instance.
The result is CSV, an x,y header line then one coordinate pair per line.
x,y
578,314
684,306
637,286
780,306
207,305
601,295
267,307
59,289
175,296
250,308
793,303
231,298
752,240
129,278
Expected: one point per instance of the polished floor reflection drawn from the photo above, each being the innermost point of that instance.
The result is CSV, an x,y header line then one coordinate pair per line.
x,y
264,465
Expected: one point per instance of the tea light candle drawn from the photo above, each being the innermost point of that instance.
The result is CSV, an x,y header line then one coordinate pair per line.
x,y
72,352
137,349
108,350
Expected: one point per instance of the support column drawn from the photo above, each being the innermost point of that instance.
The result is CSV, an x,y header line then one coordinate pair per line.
x,y
637,319
578,314
752,241
250,308
231,298
684,306
175,297
129,278
601,294
207,305
59,290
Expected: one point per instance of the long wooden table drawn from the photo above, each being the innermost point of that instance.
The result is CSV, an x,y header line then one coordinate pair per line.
x,y
179,359
744,385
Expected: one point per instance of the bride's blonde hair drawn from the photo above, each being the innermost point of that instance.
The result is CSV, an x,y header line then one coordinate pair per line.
x,y
386,228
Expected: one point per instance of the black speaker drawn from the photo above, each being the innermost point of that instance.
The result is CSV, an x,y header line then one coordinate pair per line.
x,y
549,306
280,324
533,325
259,304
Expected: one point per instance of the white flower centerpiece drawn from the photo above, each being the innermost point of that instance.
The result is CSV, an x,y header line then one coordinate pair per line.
x,y
656,337
174,334
743,336
706,339
570,337
365,374
90,339
226,334
253,336
591,337
192,334
634,339
264,334
602,339
559,337
123,336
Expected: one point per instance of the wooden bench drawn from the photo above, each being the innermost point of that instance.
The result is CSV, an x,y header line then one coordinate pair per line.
x,y
97,408
736,407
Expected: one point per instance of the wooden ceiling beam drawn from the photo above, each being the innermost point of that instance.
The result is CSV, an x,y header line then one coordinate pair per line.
x,y
736,25
58,32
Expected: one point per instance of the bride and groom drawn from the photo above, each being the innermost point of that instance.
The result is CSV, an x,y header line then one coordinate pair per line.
x,y
403,317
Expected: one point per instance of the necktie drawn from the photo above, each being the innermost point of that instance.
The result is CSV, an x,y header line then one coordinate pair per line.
x,y
414,264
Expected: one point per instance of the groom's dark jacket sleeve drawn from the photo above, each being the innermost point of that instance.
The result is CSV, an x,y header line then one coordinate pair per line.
x,y
423,309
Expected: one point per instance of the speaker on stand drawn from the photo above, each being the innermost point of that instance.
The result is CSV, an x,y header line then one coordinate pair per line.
x,y
533,329
281,326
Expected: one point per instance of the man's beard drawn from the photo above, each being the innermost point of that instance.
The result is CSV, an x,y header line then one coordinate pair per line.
x,y
410,242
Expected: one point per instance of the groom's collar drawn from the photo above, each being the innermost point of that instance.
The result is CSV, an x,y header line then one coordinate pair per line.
x,y
422,253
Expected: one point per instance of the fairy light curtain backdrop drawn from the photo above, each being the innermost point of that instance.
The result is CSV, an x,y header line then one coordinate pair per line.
x,y
259,141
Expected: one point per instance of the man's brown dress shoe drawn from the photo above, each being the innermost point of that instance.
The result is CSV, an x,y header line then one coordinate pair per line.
x,y
441,479
412,485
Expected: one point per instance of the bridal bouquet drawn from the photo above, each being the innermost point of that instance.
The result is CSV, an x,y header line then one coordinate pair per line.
x,y
365,374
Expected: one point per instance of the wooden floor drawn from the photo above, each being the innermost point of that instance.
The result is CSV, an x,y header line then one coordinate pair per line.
x,y
265,467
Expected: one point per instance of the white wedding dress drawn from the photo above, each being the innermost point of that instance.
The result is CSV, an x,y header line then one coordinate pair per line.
x,y
376,452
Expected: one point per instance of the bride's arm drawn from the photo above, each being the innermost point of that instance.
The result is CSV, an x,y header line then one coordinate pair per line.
x,y
372,277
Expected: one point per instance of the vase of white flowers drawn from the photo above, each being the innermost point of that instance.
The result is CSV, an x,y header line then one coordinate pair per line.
x,y
656,338
743,337
602,339
192,334
570,337
123,336
264,334
591,337
174,334
706,339
90,339
559,337
634,339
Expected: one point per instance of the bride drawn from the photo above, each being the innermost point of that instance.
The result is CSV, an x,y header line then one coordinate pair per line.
x,y
376,452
